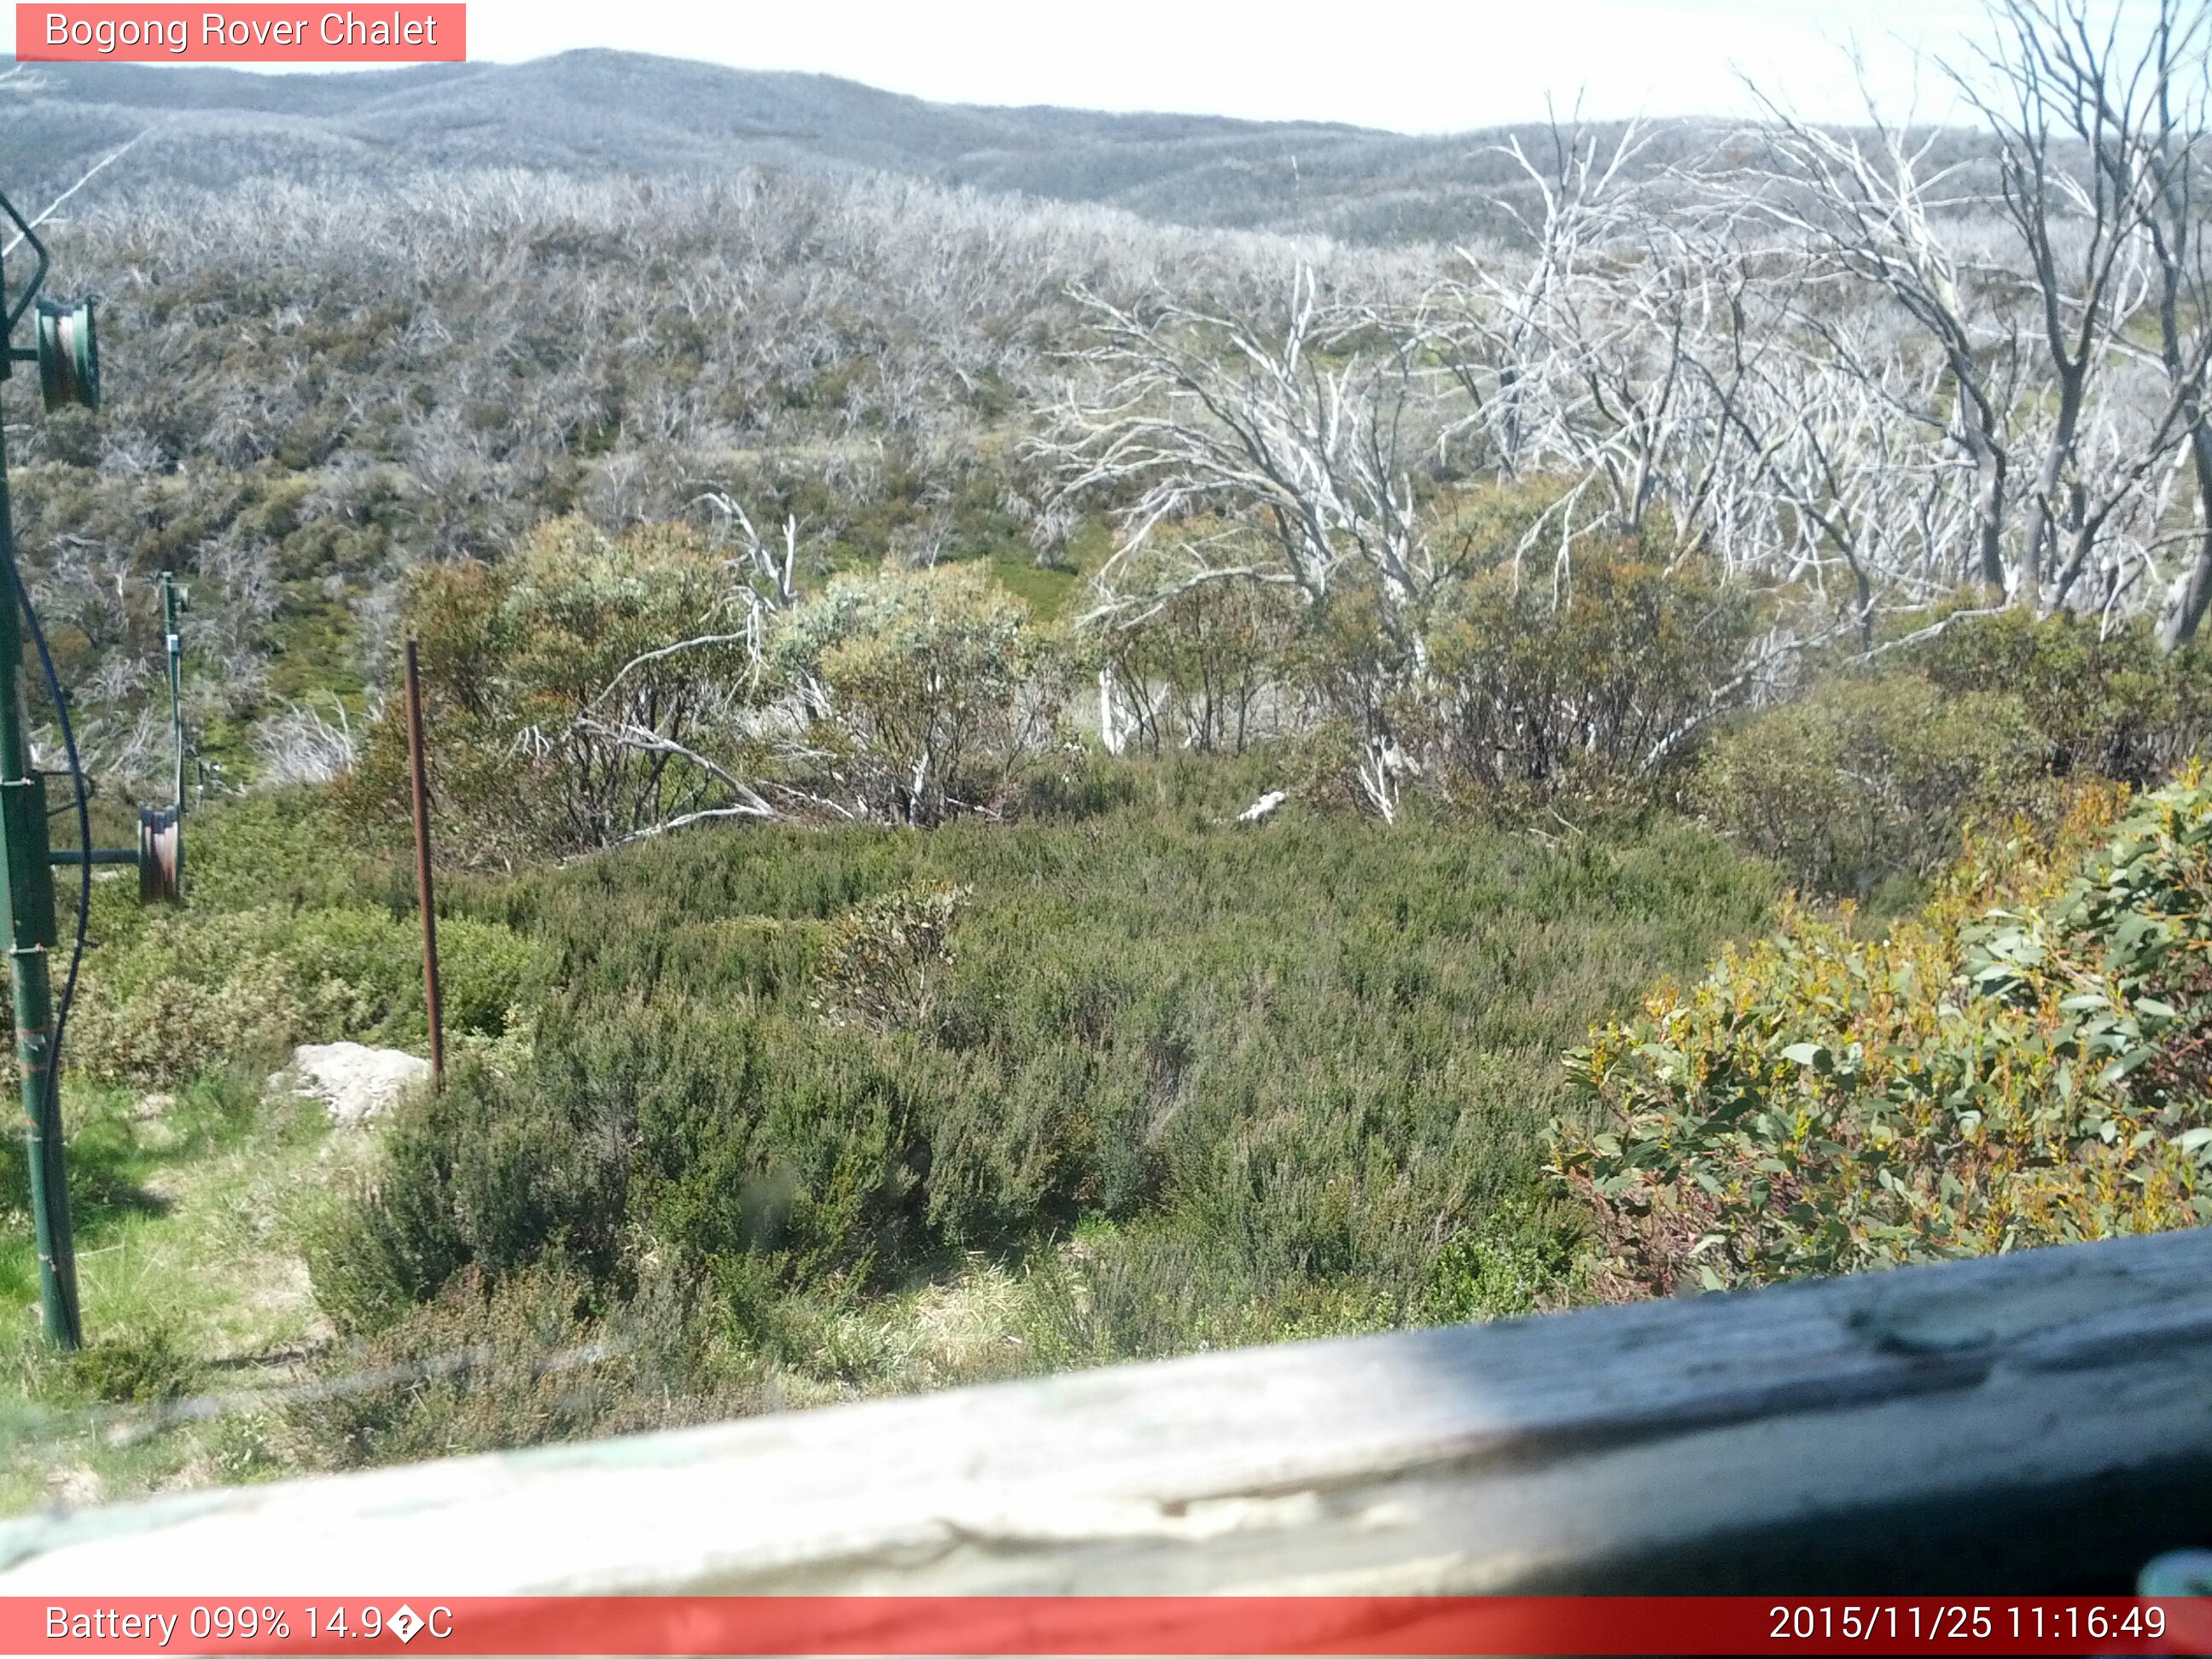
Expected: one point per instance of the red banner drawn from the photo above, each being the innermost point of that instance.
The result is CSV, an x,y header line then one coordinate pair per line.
x,y
1223,1625
261,34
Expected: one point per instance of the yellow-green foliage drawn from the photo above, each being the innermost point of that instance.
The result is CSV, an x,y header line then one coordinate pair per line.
x,y
2023,1064
937,680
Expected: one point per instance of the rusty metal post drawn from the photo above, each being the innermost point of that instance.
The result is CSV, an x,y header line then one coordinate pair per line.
x,y
414,761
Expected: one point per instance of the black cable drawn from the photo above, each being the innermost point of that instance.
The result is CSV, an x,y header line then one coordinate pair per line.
x,y
84,840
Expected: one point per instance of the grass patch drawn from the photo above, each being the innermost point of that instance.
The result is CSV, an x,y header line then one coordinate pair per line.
x,y
190,1208
1046,589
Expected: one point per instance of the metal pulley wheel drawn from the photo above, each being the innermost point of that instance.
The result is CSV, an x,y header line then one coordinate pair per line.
x,y
160,855
69,355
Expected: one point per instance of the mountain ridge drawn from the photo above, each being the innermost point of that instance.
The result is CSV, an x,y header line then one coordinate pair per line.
x,y
598,110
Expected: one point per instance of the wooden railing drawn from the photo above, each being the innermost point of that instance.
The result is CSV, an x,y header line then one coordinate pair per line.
x,y
2036,1422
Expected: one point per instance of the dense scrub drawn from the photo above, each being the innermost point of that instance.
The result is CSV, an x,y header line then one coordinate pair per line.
x,y
292,937
1194,1082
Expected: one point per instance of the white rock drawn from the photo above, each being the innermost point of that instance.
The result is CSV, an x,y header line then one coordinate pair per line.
x,y
355,1081
1260,808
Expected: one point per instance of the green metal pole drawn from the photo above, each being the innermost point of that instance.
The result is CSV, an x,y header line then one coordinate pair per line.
x,y
29,895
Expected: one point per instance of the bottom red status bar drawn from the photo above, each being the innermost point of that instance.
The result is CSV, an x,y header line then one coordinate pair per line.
x,y
928,1626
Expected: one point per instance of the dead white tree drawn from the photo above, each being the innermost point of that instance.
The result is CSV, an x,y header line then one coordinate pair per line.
x,y
2167,111
298,745
2068,103
1880,210
1303,438
1505,317
2055,287
1291,452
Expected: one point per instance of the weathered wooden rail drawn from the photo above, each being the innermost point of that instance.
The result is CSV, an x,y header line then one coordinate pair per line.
x,y
2038,1422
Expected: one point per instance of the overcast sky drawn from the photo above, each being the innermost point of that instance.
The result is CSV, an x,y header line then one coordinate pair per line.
x,y
1415,65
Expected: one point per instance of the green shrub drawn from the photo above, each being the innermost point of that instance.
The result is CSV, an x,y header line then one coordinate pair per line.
x,y
885,960
942,688
2021,1066
289,935
537,1356
285,849
141,1368
1865,780
483,967
490,1174
188,992
712,1135
1074,782
1609,676
524,708
195,990
1151,1288
2104,700
1519,1259
1251,1127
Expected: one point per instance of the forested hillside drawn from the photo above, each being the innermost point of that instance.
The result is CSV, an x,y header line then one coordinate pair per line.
x,y
1025,781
